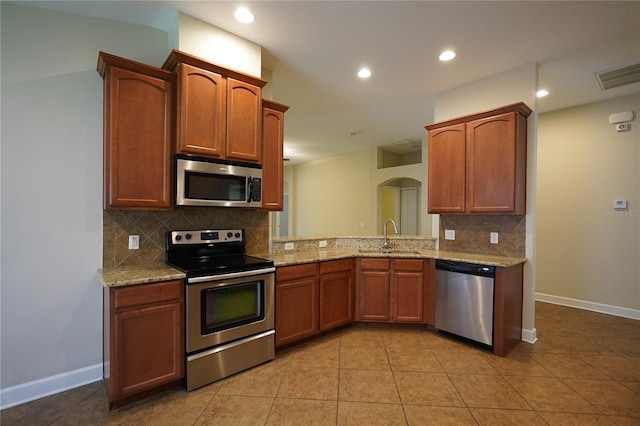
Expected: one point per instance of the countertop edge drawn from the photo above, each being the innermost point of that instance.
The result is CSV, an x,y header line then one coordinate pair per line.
x,y
286,259
134,275
131,275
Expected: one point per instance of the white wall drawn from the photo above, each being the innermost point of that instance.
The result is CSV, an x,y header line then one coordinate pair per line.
x,y
588,254
217,46
332,196
51,174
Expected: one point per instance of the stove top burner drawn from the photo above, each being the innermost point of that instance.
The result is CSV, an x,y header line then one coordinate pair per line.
x,y
201,253
220,265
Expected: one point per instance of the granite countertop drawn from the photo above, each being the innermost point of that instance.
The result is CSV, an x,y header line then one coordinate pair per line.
x,y
131,275
295,257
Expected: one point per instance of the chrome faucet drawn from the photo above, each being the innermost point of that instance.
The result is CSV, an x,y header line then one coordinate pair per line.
x,y
385,244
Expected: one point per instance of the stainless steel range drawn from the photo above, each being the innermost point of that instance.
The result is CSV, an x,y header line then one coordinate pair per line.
x,y
229,304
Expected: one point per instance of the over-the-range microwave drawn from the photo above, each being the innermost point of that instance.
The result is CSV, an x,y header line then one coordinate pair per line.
x,y
215,183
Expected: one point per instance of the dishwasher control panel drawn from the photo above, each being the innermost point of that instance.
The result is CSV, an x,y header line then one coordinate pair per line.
x,y
466,268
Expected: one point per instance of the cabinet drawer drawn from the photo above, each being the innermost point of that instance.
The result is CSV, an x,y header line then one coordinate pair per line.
x,y
287,273
146,294
379,264
330,266
408,264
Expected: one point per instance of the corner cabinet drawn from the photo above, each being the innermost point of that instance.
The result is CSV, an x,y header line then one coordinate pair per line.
x,y
272,155
219,110
477,163
312,298
143,340
138,134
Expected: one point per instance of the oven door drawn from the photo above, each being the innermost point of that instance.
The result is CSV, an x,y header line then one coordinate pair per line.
x,y
224,308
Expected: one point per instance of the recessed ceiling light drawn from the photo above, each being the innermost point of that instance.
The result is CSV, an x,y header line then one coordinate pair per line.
x,y
244,15
542,93
364,73
447,55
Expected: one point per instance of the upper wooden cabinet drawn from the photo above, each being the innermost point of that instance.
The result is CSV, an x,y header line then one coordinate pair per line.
x,y
272,154
446,169
138,134
477,163
219,110
202,110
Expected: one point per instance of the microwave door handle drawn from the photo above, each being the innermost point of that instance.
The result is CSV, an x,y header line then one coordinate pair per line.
x,y
250,190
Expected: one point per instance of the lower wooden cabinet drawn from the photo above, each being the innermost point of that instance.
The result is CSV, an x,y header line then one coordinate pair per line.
x,y
336,293
374,284
408,290
296,302
507,309
391,290
143,339
315,297
312,298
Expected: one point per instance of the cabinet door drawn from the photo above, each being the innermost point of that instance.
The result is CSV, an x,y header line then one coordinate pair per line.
x,y
374,295
296,309
244,121
336,299
408,296
139,129
408,290
149,348
447,169
272,161
491,164
201,111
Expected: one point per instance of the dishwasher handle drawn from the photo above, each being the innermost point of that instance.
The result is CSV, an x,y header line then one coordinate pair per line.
x,y
466,268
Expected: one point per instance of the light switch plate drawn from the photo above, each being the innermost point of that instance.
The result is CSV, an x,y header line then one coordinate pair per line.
x,y
493,238
134,242
288,246
449,234
322,243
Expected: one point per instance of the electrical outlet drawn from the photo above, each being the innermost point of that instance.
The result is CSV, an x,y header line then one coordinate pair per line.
x,y
134,242
449,234
493,238
288,246
322,243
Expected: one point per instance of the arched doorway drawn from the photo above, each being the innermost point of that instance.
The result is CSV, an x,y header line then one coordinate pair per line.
x,y
399,199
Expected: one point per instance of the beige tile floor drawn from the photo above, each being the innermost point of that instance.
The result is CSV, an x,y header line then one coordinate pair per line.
x,y
584,369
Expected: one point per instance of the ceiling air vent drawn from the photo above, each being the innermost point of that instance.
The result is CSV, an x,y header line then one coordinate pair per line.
x,y
618,77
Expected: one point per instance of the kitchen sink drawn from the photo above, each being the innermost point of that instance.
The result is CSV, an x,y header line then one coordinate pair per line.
x,y
387,251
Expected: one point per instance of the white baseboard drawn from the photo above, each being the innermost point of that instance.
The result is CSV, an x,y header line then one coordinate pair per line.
x,y
529,335
30,391
590,306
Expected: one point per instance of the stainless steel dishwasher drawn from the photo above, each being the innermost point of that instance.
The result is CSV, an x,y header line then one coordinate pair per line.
x,y
464,300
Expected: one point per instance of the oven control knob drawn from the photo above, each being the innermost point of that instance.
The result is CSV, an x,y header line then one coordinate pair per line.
x,y
237,235
229,234
188,236
178,237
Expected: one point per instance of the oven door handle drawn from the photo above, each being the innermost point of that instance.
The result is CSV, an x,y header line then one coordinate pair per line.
x,y
221,277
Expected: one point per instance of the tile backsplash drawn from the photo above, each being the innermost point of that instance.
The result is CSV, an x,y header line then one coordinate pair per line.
x,y
472,234
151,226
